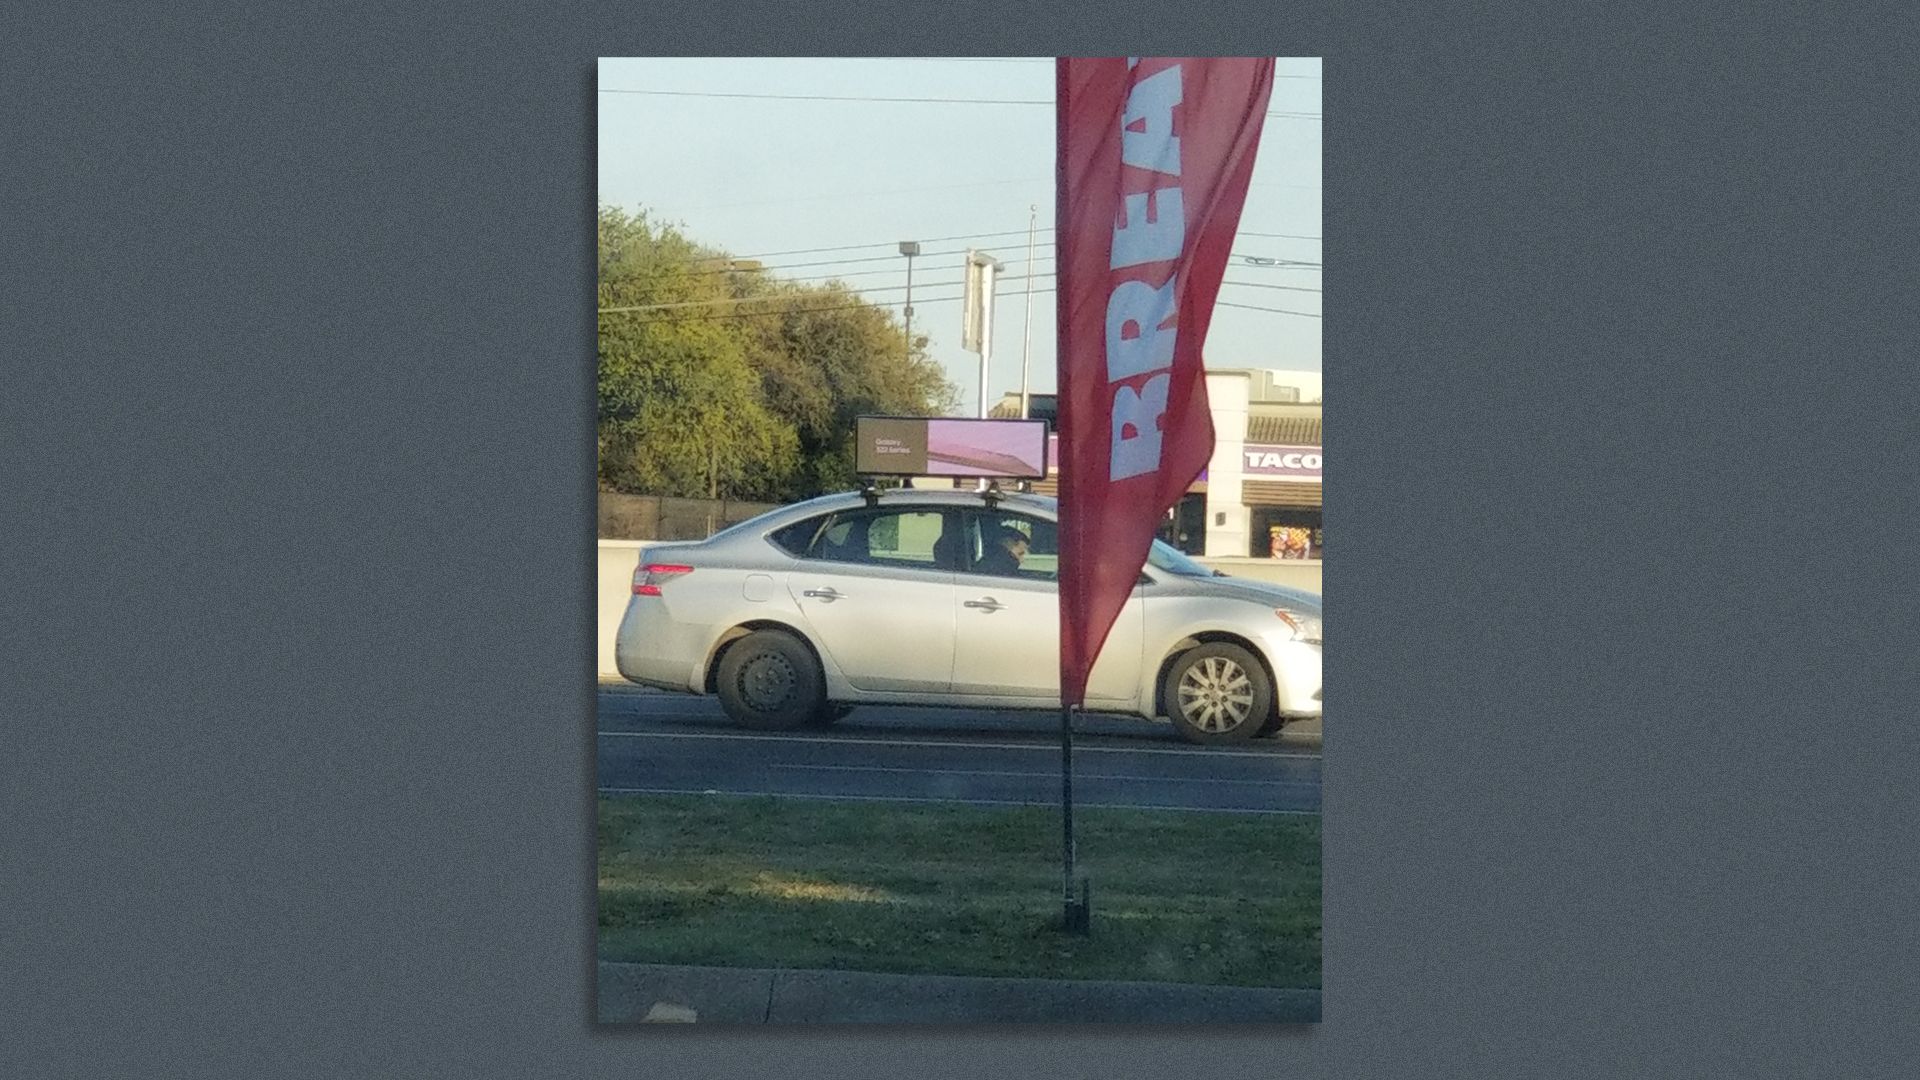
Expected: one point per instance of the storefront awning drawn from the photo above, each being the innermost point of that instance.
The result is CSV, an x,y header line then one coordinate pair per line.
x,y
1050,487
1287,430
1279,493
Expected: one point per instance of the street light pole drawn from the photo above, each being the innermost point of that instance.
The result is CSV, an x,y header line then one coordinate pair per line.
x,y
909,248
1026,335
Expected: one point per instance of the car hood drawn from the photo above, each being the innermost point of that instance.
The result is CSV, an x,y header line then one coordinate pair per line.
x,y
1260,592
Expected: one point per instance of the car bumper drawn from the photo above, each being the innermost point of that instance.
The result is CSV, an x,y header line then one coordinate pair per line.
x,y
1296,677
653,649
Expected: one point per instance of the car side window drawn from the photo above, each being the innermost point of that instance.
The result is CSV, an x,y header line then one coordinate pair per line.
x,y
796,539
1011,545
899,538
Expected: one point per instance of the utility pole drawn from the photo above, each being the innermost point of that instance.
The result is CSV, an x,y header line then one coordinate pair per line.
x,y
1026,335
909,248
976,332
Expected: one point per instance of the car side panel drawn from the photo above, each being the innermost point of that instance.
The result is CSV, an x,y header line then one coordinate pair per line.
x,y
1013,650
883,628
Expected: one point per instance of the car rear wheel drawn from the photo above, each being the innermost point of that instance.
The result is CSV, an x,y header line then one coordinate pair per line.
x,y
770,681
1218,693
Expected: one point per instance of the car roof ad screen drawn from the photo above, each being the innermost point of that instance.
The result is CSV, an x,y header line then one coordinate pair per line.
x,y
941,446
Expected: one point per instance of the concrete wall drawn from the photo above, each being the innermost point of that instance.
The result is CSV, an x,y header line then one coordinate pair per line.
x,y
618,558
653,517
1298,573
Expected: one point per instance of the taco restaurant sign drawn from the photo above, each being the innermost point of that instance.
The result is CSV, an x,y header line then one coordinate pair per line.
x,y
1289,462
1282,462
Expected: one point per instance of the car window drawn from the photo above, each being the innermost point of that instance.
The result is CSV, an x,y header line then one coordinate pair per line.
x,y
899,538
987,553
795,539
1164,556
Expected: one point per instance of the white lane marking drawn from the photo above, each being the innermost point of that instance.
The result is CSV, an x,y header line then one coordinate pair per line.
x,y
1043,775
1052,749
969,802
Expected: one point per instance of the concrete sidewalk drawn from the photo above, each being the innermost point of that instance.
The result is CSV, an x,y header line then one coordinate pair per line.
x,y
658,993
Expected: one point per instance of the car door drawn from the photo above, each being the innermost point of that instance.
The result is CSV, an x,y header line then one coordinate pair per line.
x,y
879,599
1007,623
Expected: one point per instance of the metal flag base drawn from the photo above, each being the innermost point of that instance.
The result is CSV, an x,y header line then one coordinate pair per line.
x,y
1077,917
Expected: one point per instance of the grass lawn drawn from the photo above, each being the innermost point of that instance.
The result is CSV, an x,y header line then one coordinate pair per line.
x,y
957,890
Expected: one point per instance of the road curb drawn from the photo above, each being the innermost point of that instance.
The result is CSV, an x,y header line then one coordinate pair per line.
x,y
666,993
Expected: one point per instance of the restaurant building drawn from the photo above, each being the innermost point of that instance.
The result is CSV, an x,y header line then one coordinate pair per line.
x,y
1260,494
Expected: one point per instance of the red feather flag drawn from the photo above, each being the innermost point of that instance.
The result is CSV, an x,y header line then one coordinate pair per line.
x,y
1154,159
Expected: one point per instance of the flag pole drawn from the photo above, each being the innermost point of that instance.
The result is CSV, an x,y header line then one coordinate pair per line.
x,y
1075,912
1076,916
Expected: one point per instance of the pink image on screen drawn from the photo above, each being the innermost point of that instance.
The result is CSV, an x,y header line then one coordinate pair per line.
x,y
985,448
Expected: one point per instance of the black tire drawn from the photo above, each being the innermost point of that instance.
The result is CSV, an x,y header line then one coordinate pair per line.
x,y
1218,693
1272,728
769,681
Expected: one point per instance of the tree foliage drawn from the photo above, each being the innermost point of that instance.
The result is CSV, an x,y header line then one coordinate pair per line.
x,y
750,398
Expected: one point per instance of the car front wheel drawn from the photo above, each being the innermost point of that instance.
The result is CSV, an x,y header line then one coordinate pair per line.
x,y
770,681
1218,693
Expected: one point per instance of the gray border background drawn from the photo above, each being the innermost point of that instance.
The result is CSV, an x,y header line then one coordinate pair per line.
x,y
296,435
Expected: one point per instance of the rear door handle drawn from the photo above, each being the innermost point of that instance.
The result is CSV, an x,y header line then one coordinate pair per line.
x,y
828,594
985,603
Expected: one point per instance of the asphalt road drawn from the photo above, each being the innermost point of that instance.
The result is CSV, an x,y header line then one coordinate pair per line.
x,y
652,742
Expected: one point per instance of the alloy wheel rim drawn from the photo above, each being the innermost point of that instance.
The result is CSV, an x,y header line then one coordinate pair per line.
x,y
1216,695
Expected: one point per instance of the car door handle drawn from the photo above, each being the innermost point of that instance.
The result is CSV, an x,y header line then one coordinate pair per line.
x,y
829,594
985,603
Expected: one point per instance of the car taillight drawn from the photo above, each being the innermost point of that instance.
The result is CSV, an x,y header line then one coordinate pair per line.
x,y
648,579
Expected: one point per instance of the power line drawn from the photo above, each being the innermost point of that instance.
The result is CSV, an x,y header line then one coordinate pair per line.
x,y
841,275
867,194
839,262
864,259
1010,60
896,257
828,262
888,270
893,100
1038,274
1275,310
857,247
1262,261
861,273
962,236
1264,285
771,297
714,316
709,316
1009,279
836,97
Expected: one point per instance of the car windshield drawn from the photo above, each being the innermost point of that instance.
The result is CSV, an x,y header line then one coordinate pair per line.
x,y
1164,556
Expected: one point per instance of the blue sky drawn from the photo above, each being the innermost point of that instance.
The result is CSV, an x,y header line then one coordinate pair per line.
x,y
763,177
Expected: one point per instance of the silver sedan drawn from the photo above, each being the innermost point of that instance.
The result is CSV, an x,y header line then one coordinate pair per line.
x,y
950,598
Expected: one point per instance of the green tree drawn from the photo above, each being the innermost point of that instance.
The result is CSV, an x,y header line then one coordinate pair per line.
x,y
830,358
731,381
680,409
